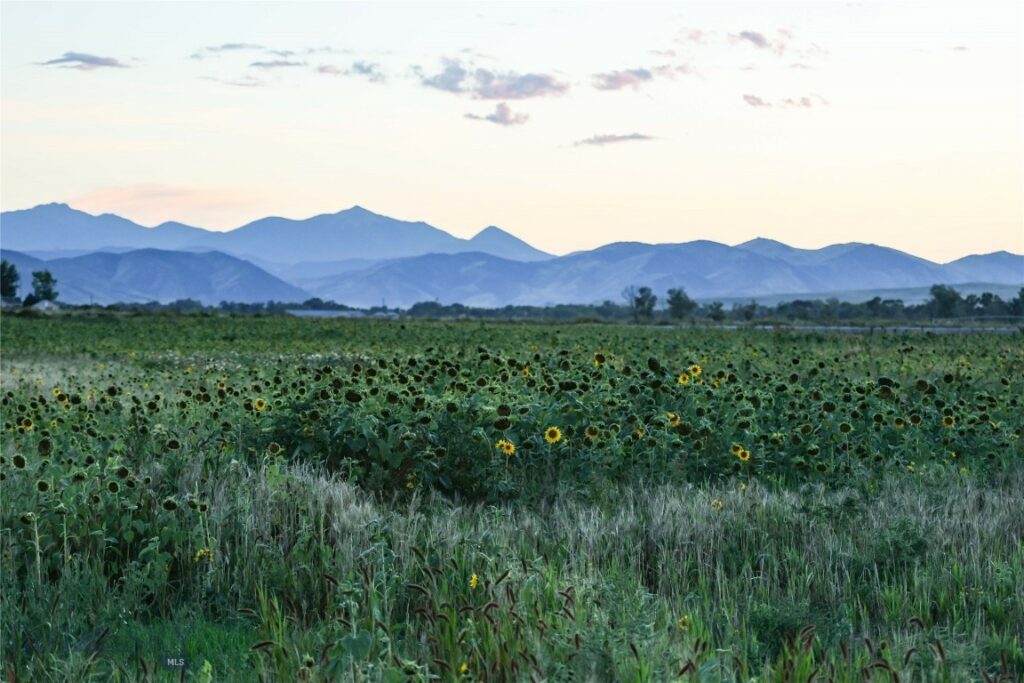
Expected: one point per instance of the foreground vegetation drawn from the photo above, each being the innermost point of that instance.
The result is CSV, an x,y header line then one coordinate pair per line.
x,y
354,500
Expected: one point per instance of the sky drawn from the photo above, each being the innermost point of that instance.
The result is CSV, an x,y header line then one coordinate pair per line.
x,y
570,125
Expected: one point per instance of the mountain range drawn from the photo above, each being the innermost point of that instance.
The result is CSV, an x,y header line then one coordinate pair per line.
x,y
361,258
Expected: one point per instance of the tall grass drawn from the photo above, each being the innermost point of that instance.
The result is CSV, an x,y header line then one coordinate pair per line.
x,y
311,578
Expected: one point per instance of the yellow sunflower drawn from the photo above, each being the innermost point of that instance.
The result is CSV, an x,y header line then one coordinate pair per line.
x,y
552,434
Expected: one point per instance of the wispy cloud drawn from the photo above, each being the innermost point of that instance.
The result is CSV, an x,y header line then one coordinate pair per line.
x,y
754,38
600,140
624,78
369,70
694,35
503,116
634,78
487,84
762,42
276,64
84,62
804,102
243,82
229,47
204,52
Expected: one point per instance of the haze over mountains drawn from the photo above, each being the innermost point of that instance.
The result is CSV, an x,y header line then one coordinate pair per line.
x,y
361,258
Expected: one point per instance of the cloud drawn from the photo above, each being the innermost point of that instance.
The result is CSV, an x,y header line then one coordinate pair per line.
x,y
625,78
804,102
486,84
503,116
204,52
370,71
228,47
763,42
663,53
754,38
634,78
695,35
243,82
451,79
281,53
276,64
84,62
600,140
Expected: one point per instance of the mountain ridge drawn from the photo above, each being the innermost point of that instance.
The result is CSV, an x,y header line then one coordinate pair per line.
x,y
358,257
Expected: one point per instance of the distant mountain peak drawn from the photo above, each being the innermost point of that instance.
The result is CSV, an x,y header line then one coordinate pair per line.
x,y
492,231
357,210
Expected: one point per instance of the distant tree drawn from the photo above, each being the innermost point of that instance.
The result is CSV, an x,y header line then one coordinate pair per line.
x,y
944,302
715,311
641,301
9,278
1016,304
744,311
43,284
679,304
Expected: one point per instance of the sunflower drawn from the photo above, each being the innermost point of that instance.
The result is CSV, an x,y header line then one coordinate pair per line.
x,y
260,405
598,360
949,421
552,434
474,581
506,447
695,370
592,431
684,378
673,420
717,504
736,449
743,455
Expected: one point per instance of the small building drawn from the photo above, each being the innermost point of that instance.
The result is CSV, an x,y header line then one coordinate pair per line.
x,y
45,305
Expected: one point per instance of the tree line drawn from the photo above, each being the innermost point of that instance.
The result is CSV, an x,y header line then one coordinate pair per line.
x,y
639,304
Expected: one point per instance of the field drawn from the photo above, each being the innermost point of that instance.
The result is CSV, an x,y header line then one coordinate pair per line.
x,y
282,499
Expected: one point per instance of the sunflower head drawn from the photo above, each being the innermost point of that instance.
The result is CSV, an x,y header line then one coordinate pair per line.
x,y
684,378
552,434
506,447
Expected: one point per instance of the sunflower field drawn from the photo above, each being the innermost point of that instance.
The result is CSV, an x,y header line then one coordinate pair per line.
x,y
216,498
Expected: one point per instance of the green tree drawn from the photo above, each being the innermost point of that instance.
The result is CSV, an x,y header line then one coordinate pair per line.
x,y
1017,304
8,279
715,311
641,301
944,302
679,304
43,284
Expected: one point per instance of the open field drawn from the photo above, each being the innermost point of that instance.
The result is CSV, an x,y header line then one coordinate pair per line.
x,y
286,499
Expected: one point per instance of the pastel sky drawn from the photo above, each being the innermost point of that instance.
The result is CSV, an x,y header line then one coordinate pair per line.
x,y
570,125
